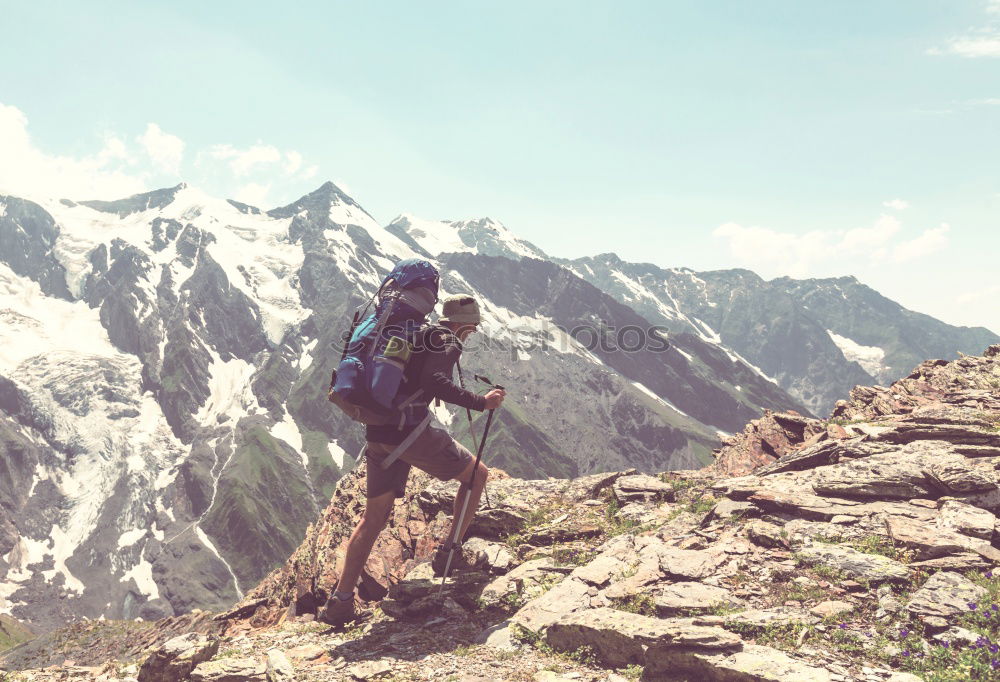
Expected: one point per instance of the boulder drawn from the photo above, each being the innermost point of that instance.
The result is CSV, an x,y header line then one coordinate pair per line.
x,y
967,520
855,564
873,478
780,615
690,564
641,488
230,670
753,663
177,657
621,638
689,597
568,596
931,542
600,571
945,594
831,609
765,534
527,581
279,668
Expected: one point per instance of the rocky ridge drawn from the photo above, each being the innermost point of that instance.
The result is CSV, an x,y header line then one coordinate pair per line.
x,y
863,549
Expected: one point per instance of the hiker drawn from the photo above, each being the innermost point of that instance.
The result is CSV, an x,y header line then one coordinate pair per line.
x,y
434,451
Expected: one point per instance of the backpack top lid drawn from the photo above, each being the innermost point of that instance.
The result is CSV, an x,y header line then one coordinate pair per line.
x,y
414,273
413,284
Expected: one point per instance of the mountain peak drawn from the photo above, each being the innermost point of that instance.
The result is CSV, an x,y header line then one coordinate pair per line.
x,y
483,235
320,200
157,198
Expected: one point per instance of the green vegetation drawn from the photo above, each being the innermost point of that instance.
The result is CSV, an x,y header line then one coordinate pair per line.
x,y
13,633
614,524
585,655
573,556
263,506
641,603
778,635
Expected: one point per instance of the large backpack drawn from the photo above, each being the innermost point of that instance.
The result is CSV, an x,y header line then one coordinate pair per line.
x,y
365,385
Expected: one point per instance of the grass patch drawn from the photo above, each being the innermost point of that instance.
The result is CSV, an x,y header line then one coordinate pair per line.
x,y
954,661
641,603
778,635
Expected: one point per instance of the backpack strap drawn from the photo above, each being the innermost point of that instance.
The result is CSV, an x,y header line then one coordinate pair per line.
x,y
407,442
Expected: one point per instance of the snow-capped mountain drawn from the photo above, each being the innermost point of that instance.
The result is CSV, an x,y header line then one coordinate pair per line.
x,y
165,434
817,338
485,236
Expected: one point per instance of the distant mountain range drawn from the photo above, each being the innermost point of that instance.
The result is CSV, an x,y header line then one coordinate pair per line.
x,y
164,358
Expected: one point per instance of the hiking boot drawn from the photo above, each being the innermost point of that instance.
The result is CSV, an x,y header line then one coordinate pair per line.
x,y
337,611
463,560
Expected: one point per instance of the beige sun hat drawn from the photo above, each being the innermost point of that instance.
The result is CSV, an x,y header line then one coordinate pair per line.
x,y
460,309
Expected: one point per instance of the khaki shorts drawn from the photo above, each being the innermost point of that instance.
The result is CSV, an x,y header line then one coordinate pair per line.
x,y
434,451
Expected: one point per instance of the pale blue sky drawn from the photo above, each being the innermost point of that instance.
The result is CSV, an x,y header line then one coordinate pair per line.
x,y
635,127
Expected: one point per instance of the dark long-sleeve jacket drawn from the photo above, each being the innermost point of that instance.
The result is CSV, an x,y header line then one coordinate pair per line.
x,y
431,368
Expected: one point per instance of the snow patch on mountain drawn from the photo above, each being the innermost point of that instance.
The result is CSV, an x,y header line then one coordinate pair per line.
x,y
32,324
288,431
871,358
229,384
478,235
130,537
659,399
434,236
142,574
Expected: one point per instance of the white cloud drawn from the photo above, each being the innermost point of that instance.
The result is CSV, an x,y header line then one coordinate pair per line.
x,y
971,47
259,157
872,238
989,293
293,162
164,149
128,164
931,241
896,204
979,42
27,171
253,193
784,252
809,253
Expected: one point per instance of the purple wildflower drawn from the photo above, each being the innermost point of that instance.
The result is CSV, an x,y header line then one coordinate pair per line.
x,y
904,632
843,626
906,653
944,643
995,663
994,648
973,606
988,574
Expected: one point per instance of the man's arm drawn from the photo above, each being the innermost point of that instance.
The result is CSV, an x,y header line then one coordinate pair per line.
x,y
436,378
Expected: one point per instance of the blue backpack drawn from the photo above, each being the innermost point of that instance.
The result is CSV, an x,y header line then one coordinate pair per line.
x,y
365,384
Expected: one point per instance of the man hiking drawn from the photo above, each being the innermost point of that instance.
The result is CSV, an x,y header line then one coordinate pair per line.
x,y
433,451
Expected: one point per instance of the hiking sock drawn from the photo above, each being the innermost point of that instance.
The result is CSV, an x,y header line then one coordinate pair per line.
x,y
343,596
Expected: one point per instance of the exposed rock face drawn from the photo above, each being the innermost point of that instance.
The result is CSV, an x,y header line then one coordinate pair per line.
x,y
177,658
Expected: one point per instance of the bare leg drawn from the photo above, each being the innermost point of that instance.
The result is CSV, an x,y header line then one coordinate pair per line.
x,y
477,490
376,514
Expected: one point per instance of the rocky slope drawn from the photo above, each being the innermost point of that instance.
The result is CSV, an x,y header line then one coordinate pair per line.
x,y
164,358
863,549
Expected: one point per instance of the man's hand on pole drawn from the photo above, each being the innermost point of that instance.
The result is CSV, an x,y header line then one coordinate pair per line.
x,y
494,398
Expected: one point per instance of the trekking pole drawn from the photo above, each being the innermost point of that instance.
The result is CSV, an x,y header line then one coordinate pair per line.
x,y
468,496
472,431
